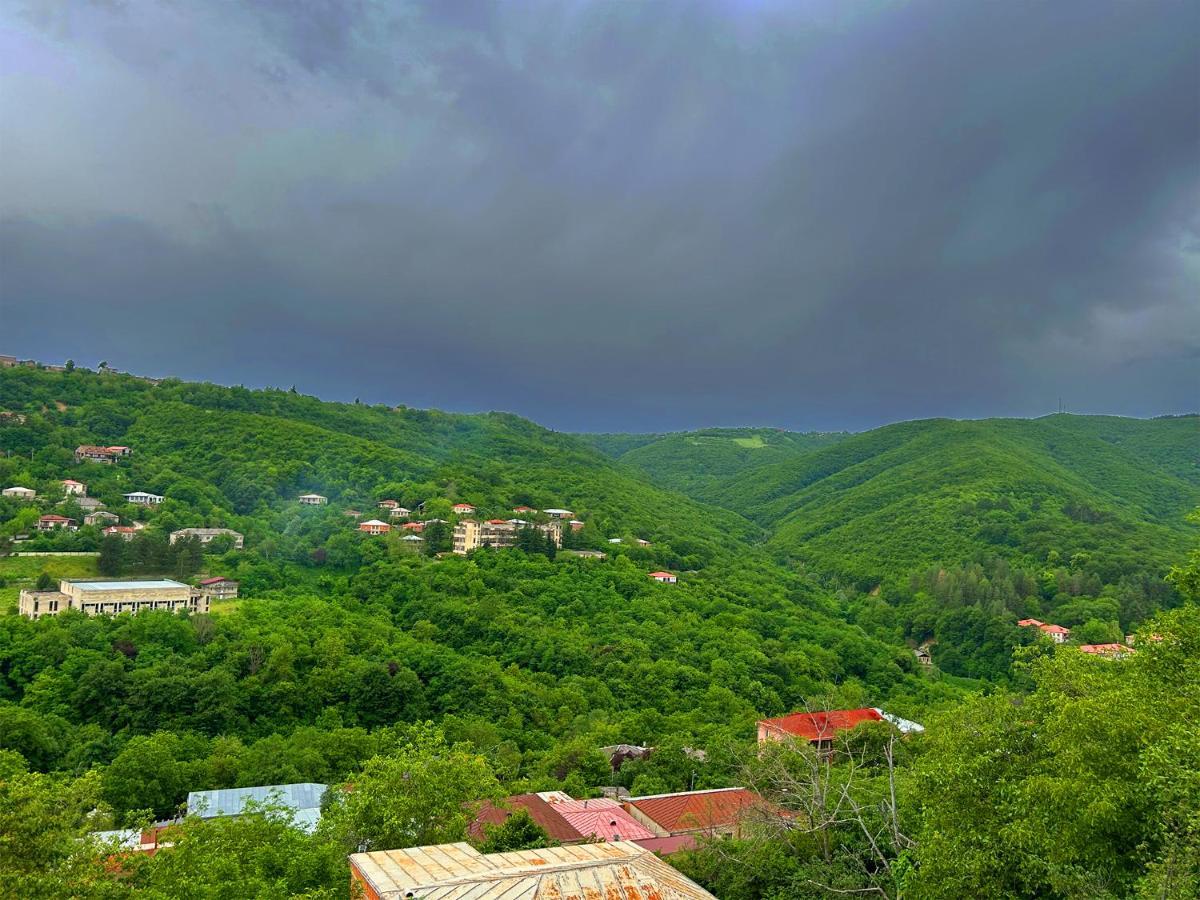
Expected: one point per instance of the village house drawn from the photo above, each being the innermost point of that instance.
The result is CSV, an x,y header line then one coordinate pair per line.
x,y
218,588
110,598
413,527
924,657
313,500
88,504
462,509
302,800
1111,651
122,531
614,540
614,870
143,498
92,453
208,535
664,577
585,554
100,517
559,513
374,526
642,543
388,504
412,541
523,510
619,754
576,525
352,513
52,522
73,488
19,493
820,728
399,512
1056,633
688,814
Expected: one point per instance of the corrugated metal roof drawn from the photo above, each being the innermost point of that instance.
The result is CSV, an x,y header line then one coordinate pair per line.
x,y
304,799
126,585
617,871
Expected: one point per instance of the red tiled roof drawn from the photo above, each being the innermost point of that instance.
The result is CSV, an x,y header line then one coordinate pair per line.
x,y
1104,649
216,580
53,518
1025,623
497,521
696,810
1054,629
601,818
821,726
662,575
558,828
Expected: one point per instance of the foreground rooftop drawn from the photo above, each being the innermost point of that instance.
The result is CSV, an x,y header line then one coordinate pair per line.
x,y
615,871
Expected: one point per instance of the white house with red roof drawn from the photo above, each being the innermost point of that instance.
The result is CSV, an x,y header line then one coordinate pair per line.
x,y
664,577
73,488
463,509
374,526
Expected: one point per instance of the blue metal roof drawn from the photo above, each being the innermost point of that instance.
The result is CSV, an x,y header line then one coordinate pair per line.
x,y
303,799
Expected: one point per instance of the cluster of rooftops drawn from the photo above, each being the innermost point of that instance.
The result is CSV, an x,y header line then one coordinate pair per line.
x,y
1060,635
609,844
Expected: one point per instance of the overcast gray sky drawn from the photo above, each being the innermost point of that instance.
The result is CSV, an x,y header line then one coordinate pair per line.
x,y
614,215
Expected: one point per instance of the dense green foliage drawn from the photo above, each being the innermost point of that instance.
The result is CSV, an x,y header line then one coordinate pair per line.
x,y
831,558
699,463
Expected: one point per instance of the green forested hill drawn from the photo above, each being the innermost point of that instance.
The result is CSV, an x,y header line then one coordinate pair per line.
x,y
889,501
699,463
810,566
231,456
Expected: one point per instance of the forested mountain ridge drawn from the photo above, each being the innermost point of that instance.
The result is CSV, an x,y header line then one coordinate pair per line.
x,y
352,658
237,457
699,463
896,498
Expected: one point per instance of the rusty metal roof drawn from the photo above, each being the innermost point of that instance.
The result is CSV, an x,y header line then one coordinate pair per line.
x,y
615,871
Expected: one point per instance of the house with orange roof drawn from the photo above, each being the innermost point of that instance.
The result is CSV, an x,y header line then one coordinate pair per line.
x,y
713,812
820,728
664,577
374,526
1109,651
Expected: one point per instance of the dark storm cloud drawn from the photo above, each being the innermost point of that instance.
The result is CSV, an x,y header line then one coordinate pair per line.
x,y
612,215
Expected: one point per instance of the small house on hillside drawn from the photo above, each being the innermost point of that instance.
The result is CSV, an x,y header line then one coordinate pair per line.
x,y
143,498
374,526
523,510
313,499
54,523
124,532
463,509
218,588
1111,651
399,512
19,493
559,513
413,527
100,517
820,728
388,504
73,488
664,577
924,657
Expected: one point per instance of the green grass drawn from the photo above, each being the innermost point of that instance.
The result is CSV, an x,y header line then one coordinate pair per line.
x,y
21,572
755,442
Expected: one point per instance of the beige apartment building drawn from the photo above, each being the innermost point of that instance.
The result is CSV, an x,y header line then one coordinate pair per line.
x,y
95,598
471,534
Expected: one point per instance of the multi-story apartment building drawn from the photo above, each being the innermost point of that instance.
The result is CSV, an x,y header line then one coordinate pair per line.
x,y
471,534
